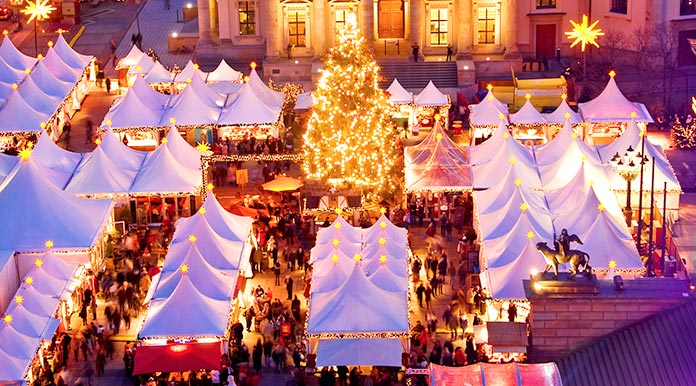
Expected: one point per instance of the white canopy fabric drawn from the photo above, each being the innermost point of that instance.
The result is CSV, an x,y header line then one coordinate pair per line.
x,y
398,94
326,252
226,88
436,163
612,106
123,156
38,99
9,74
142,67
41,212
557,117
504,278
273,99
68,55
132,58
7,162
152,99
205,92
509,155
248,108
17,115
359,352
224,73
484,152
60,69
189,109
189,71
161,172
487,113
527,115
305,101
15,58
55,157
130,111
339,229
98,174
491,98
188,155
49,83
225,224
431,96
209,281
158,74
220,253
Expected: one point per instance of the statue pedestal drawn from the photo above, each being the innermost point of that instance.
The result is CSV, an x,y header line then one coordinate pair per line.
x,y
580,284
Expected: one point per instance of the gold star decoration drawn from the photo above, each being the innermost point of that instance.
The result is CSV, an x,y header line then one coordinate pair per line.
x,y
489,87
524,207
7,318
196,66
172,120
19,299
634,115
192,238
337,225
38,263
336,242
382,240
564,96
203,147
357,257
566,115
512,160
612,264
506,135
501,116
383,259
584,33
29,280
583,158
438,136
518,182
530,235
98,141
50,43
108,122
48,244
334,258
201,210
600,207
184,268
383,224
252,65
15,86
339,211
382,210
574,135
164,141
39,10
209,187
24,154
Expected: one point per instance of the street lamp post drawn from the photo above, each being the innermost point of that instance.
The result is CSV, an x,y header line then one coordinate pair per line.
x,y
37,11
628,167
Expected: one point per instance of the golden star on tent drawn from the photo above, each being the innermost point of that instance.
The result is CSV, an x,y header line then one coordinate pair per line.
x,y
164,141
188,80
530,235
339,211
382,259
506,135
574,135
201,210
50,43
489,87
584,33
512,160
612,264
7,318
19,299
501,116
382,210
209,187
48,244
590,182
336,242
108,122
383,224
192,238
337,225
39,10
15,86
38,263
357,257
98,141
382,240
203,147
600,207
184,268
172,120
518,182
24,154
252,65
29,280
196,66
334,258
583,158
524,207
438,136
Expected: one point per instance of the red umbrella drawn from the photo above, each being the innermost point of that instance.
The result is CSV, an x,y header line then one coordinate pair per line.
x,y
241,210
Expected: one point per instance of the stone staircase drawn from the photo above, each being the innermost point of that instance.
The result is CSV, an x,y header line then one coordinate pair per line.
x,y
415,76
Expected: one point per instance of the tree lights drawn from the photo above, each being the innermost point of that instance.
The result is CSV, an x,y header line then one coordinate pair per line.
x,y
350,136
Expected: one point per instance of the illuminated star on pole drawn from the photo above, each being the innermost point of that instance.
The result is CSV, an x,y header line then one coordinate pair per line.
x,y
584,34
39,10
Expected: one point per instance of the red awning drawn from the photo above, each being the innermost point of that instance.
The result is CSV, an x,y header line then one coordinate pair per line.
x,y
177,357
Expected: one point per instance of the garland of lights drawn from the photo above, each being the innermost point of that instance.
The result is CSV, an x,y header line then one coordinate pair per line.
x,y
684,136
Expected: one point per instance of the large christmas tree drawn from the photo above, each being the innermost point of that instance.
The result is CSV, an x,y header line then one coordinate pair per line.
x,y
350,137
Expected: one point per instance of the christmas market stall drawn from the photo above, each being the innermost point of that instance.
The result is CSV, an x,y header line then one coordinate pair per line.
x,y
248,114
188,72
371,325
402,104
224,73
557,118
127,62
486,116
528,124
200,277
429,104
607,115
8,278
59,164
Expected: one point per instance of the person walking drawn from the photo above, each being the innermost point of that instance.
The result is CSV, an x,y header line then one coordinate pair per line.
x,y
288,286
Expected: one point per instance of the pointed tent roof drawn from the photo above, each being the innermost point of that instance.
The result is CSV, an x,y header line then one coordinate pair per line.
x,y
187,312
383,227
304,101
7,162
48,82
220,253
131,111
55,157
394,261
224,73
189,71
483,152
323,252
491,98
272,98
612,106
37,98
98,174
527,115
162,173
226,224
398,94
71,57
504,278
328,275
381,311
586,196
206,93
226,88
15,58
359,352
159,74
154,100
339,228
9,74
512,218
486,175
247,108
40,212
385,279
495,197
210,282
120,154
185,153
431,96
509,245
487,114
142,66
132,58
190,109
557,117
60,69
17,115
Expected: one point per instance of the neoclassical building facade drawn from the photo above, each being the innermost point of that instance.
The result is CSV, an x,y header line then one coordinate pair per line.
x,y
271,29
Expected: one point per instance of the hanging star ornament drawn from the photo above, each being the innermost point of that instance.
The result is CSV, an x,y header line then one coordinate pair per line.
x,y
38,10
584,33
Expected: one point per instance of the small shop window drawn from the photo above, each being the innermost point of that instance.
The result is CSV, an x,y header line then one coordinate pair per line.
x,y
438,27
619,6
341,17
296,27
247,18
545,4
486,25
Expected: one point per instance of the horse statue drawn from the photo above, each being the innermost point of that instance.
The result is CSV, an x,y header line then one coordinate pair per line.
x,y
575,258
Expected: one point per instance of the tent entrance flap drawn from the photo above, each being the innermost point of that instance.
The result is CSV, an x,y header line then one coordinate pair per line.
x,y
177,357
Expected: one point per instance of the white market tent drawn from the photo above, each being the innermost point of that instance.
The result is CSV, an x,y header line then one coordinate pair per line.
x,y
49,83
9,278
55,158
305,101
17,115
132,58
612,106
431,96
558,116
487,114
41,211
68,55
37,98
123,156
7,162
158,74
247,107
224,73
97,174
527,115
271,98
61,69
15,58
189,71
132,111
188,155
161,172
189,109
142,67
398,94
9,74
436,164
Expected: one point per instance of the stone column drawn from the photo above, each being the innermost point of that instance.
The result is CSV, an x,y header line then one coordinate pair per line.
x,y
214,19
367,26
464,20
273,38
320,28
203,22
510,24
417,20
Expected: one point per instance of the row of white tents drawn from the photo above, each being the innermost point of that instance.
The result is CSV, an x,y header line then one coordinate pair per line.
x,y
192,297
36,92
142,65
358,304
199,104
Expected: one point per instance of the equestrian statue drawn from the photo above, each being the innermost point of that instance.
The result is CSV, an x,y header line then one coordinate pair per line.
x,y
562,254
